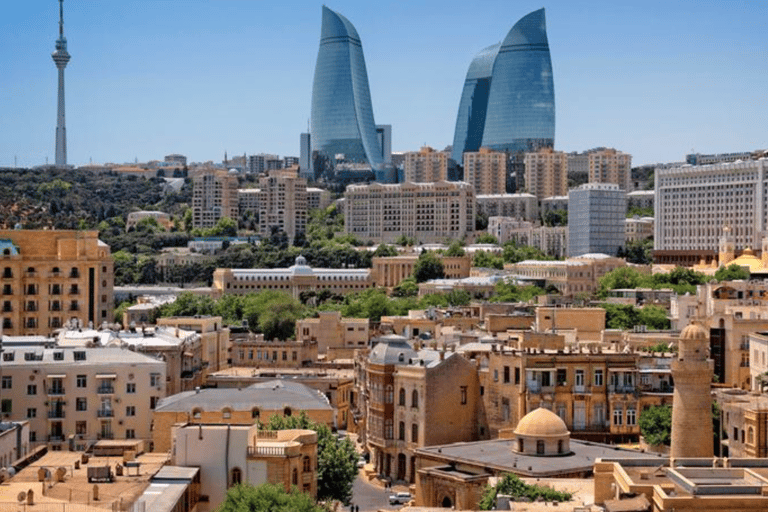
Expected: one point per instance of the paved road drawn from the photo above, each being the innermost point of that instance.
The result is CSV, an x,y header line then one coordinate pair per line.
x,y
369,498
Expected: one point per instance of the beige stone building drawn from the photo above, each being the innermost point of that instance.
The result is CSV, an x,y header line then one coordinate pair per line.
x,y
214,196
318,198
486,171
336,337
214,338
228,455
521,206
426,165
546,173
572,276
14,442
293,280
84,394
744,424
390,271
246,406
282,203
163,219
427,212
414,400
251,349
52,277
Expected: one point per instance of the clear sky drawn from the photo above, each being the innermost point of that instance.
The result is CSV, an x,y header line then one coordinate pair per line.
x,y
147,78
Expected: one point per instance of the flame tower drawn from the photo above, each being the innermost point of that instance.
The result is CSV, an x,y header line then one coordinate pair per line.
x,y
61,58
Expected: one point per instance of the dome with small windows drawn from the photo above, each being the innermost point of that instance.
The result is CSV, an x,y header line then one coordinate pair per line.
x,y
543,433
694,331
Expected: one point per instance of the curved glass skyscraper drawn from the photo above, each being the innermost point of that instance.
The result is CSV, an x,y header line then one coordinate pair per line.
x,y
508,102
342,115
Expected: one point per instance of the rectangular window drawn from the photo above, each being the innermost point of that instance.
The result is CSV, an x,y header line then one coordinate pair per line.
x,y
598,381
130,387
463,395
154,379
31,412
561,376
130,410
414,433
517,375
579,378
82,381
130,433
31,389
81,428
81,404
6,406
506,375
7,382
631,416
618,414
152,402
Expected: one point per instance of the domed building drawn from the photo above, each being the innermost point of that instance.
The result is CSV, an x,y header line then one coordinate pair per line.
x,y
542,433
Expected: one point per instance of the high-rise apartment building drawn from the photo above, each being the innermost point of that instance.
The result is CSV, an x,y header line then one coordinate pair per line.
x,y
596,213
546,173
486,171
342,125
214,196
426,165
610,166
282,202
52,277
427,212
508,101
261,163
694,203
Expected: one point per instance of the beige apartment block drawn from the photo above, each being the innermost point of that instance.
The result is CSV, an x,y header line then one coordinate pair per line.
x,y
318,198
214,196
84,394
336,337
521,206
552,241
294,280
283,203
572,276
53,277
426,165
390,271
608,165
588,323
228,455
214,336
486,171
426,212
745,423
250,349
546,173
246,406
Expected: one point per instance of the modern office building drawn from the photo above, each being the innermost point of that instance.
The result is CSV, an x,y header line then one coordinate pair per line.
x,y
694,203
426,165
427,212
486,171
508,101
596,213
214,196
546,173
53,277
342,125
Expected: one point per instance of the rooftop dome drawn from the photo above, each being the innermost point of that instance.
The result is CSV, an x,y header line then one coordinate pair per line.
x,y
541,423
749,260
694,331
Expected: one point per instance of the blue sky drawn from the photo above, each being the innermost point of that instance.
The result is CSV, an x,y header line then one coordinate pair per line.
x,y
151,77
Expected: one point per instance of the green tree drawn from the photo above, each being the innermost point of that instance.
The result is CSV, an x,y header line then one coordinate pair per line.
x,y
556,218
656,425
455,249
654,317
513,253
336,458
511,485
639,252
385,250
427,267
486,238
620,278
224,227
267,498
732,273
408,287
621,316
505,291
486,259
405,241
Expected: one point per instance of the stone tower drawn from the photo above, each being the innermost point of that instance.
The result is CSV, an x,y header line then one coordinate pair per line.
x,y
726,248
692,401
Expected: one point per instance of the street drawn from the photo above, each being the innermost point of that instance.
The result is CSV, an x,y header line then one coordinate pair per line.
x,y
370,498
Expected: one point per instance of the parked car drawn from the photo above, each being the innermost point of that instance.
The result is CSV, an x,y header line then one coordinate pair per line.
x,y
401,498
360,462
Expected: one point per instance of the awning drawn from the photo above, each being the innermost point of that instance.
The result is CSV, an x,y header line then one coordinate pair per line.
x,y
656,370
625,370
106,375
56,376
189,354
540,369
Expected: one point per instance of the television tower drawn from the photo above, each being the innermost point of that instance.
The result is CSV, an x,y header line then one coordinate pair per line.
x,y
61,58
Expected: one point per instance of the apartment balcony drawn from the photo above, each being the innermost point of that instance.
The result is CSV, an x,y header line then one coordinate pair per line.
x,y
105,435
538,388
55,414
622,390
105,413
56,391
105,390
56,438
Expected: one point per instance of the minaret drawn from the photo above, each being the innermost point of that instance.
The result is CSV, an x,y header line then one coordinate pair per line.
x,y
61,57
692,400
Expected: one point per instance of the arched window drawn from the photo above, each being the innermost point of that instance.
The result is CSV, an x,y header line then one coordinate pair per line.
x,y
415,433
389,395
226,413
751,435
539,447
560,446
287,411
521,445
307,463
415,398
235,476
196,413
255,413
388,429
295,477
401,431
402,397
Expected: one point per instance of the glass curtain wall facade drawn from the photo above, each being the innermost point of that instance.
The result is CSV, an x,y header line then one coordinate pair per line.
x,y
508,101
342,125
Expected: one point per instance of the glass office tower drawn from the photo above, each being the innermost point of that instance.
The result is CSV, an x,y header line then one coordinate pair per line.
x,y
508,101
342,126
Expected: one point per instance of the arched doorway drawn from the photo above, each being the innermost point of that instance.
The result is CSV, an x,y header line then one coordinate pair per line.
x,y
447,503
401,466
